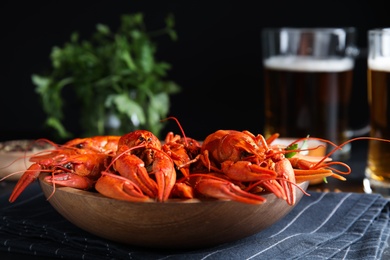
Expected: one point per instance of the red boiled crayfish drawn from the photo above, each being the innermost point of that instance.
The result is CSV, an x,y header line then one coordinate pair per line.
x,y
240,164
139,157
229,164
78,163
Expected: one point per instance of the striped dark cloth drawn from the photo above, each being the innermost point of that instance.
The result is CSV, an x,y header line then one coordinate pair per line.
x,y
322,226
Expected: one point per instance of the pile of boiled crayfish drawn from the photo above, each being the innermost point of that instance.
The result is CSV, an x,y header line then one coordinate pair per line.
x,y
138,167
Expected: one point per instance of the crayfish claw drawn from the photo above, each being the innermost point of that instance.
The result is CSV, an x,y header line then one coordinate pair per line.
x,y
286,178
28,177
223,189
117,187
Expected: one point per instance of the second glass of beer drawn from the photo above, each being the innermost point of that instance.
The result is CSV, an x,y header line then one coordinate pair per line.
x,y
308,80
378,165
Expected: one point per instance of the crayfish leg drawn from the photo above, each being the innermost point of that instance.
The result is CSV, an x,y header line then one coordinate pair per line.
x,y
274,187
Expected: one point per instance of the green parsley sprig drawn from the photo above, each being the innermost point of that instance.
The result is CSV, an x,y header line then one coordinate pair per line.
x,y
112,75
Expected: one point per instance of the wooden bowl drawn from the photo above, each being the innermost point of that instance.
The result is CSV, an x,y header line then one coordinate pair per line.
x,y
175,224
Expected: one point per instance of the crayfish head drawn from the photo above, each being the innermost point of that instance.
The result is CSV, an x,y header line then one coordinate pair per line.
x,y
96,144
231,145
140,137
86,165
191,146
145,142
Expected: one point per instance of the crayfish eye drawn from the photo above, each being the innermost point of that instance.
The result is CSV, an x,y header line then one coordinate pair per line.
x,y
69,166
80,145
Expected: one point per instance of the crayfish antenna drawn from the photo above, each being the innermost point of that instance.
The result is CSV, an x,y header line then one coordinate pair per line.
x,y
181,128
10,175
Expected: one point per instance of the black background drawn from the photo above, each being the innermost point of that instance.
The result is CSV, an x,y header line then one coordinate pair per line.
x,y
216,60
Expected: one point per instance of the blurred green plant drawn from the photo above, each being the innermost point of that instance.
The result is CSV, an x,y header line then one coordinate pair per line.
x,y
115,78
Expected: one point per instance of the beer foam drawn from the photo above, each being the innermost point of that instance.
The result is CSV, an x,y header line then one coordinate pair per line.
x,y
381,64
309,64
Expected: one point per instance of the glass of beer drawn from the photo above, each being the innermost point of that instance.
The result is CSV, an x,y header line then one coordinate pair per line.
x,y
308,76
378,165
